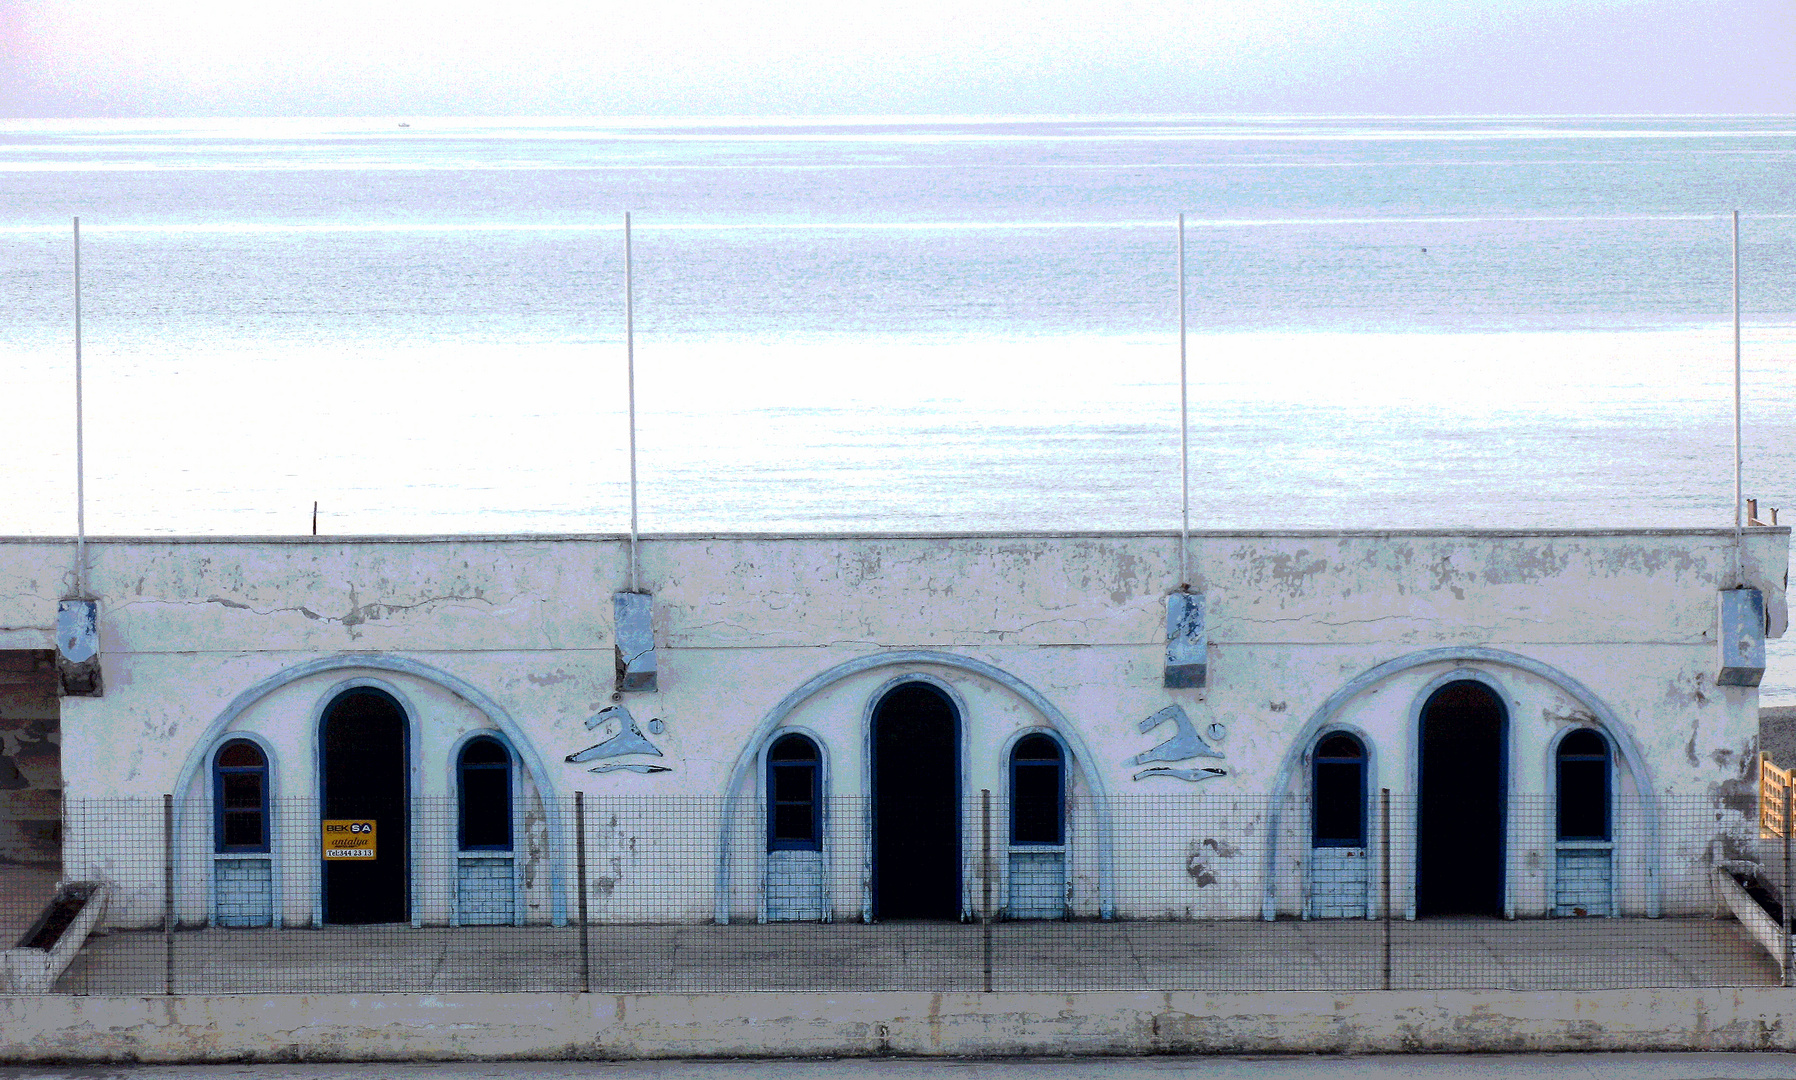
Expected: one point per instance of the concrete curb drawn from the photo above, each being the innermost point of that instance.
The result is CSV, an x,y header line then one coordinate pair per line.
x,y
485,1026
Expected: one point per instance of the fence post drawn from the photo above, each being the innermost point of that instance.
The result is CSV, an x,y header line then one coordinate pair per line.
x,y
1384,842
1784,893
580,869
985,875
168,894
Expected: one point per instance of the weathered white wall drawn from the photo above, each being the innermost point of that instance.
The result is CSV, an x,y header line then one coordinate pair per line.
x,y
189,625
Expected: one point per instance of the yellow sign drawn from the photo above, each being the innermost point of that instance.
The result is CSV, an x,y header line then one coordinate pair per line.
x,y
349,839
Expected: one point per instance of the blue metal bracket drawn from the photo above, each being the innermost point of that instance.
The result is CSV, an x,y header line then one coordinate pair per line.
x,y
634,639
1187,642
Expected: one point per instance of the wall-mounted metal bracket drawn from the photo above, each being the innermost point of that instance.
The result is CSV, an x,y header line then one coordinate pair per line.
x,y
634,641
1741,632
78,648
1187,642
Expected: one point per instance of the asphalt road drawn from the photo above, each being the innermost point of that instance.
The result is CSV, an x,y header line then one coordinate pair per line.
x,y
1765,1066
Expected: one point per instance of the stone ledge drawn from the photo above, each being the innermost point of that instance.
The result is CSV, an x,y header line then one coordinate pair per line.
x,y
390,1027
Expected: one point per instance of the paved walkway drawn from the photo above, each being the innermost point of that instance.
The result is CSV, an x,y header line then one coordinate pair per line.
x,y
1672,1066
1243,955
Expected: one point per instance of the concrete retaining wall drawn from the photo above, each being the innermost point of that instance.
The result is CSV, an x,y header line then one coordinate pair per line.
x,y
373,1027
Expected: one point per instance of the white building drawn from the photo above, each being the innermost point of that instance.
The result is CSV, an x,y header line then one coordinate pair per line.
x,y
786,727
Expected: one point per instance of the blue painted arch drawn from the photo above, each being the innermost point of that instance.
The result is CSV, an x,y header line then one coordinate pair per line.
x,y
519,743
1058,721
1620,738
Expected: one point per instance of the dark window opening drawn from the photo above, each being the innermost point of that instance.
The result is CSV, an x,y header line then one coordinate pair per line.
x,y
1462,802
485,807
916,805
240,798
1583,786
363,752
1340,793
794,792
1037,792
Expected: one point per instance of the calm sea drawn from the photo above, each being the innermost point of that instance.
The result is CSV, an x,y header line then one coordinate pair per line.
x,y
897,324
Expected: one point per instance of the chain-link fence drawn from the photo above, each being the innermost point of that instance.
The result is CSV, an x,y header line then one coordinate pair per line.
x,y
789,890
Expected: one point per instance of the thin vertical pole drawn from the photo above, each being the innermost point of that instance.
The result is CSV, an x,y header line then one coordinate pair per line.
x,y
580,867
630,357
80,439
1184,427
1384,841
314,517
168,894
1739,488
985,904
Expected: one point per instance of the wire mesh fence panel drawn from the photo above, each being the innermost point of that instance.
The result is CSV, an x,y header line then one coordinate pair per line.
x,y
1047,888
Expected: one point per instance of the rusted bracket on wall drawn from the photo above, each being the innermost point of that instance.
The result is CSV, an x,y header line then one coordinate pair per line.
x,y
634,641
1187,642
78,648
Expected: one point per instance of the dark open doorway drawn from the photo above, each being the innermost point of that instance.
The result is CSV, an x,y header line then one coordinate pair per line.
x,y
1460,812
916,805
362,743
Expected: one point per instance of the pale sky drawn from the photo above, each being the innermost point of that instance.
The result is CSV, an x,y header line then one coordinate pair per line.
x,y
861,57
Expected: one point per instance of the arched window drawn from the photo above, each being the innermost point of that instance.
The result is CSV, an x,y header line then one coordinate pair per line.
x,y
1583,786
794,790
1340,792
485,795
240,798
1037,792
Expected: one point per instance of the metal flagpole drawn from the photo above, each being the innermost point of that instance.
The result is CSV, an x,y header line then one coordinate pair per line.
x,y
1739,491
80,439
630,356
1184,427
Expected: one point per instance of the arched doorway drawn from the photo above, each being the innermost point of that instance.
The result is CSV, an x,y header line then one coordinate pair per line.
x,y
916,805
1460,808
364,762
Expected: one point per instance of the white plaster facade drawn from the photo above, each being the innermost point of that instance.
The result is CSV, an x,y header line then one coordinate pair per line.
x,y
205,639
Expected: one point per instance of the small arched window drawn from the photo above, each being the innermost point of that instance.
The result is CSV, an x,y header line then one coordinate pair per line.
x,y
484,809
1037,791
794,790
1340,792
1583,786
240,798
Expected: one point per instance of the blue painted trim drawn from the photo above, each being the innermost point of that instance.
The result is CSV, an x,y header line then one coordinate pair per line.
x,y
275,844
219,772
814,799
1372,777
1010,778
1558,845
1364,761
1611,724
825,780
517,816
494,713
745,760
1553,746
1002,885
462,768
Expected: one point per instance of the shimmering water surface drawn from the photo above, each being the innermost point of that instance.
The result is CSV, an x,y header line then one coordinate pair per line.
x,y
903,324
